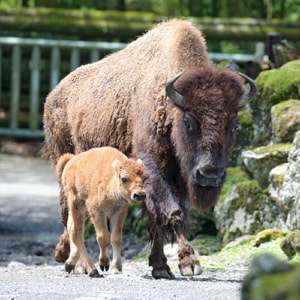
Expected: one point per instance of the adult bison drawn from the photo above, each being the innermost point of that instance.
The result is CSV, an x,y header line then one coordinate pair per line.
x,y
182,131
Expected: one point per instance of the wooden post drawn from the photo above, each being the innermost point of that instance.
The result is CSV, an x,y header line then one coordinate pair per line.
x,y
15,86
55,63
34,88
273,38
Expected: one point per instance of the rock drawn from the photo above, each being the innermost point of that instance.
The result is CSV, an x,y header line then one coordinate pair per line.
x,y
285,121
271,278
276,178
244,137
247,210
274,86
290,192
291,245
266,236
260,161
15,264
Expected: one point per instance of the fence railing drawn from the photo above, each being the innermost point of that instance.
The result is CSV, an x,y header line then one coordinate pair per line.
x,y
55,47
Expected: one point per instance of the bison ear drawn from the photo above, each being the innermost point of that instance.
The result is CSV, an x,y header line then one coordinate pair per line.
x,y
115,164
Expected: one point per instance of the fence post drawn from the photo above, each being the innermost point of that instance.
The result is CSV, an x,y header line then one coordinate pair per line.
x,y
94,55
0,74
15,86
75,58
55,62
34,88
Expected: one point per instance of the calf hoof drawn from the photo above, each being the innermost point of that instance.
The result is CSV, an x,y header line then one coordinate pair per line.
x,y
190,266
95,274
162,273
62,249
104,263
69,267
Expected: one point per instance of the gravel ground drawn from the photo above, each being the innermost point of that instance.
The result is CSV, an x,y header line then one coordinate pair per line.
x,y
29,231
28,271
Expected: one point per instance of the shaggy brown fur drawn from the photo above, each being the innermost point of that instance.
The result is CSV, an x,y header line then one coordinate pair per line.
x,y
120,101
99,183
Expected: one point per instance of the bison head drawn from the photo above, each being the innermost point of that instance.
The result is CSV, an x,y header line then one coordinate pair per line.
x,y
204,127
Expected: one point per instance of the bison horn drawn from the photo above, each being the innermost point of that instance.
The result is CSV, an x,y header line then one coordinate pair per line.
x,y
247,96
173,95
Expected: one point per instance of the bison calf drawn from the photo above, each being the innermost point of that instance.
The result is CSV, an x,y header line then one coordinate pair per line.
x,y
99,183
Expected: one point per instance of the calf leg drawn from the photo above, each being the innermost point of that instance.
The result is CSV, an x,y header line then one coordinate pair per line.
x,y
76,234
189,264
103,238
117,222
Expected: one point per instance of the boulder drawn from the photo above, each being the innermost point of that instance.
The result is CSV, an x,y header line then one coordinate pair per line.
x,y
285,121
290,192
260,161
247,210
291,244
271,278
274,86
244,137
276,177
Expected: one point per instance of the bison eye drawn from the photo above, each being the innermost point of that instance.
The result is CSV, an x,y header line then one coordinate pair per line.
x,y
191,124
124,179
233,125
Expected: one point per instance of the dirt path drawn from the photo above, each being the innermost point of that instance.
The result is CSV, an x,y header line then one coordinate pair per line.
x,y
29,230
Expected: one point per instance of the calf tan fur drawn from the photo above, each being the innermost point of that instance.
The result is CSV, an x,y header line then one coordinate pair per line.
x,y
100,183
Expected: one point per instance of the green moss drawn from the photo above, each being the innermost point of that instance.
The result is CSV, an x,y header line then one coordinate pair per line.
x,y
267,236
234,175
250,196
277,85
273,149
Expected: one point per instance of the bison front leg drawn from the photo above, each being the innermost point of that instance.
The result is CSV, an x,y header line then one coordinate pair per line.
x,y
157,258
189,264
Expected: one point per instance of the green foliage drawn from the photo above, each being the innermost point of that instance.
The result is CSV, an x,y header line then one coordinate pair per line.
x,y
283,9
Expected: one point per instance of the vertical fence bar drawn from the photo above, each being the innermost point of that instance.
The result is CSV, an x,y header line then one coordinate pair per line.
x,y
55,64
75,58
35,88
0,74
95,55
15,86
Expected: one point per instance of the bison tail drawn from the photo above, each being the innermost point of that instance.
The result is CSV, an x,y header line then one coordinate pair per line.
x,y
63,160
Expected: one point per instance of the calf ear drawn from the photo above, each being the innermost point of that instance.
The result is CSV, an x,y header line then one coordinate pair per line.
x,y
115,164
140,162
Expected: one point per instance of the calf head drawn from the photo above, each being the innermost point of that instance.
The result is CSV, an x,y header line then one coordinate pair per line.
x,y
204,126
130,179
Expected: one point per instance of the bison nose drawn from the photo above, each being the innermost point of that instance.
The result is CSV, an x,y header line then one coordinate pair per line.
x,y
140,196
210,175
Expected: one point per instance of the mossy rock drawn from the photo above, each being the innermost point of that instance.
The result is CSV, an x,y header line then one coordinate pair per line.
x,y
267,235
260,161
271,278
285,121
291,245
276,178
274,86
244,137
239,213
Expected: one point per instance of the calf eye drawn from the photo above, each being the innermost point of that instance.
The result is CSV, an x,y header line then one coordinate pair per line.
x,y
124,179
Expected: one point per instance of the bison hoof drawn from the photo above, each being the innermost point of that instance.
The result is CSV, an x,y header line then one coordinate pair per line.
x,y
95,274
69,267
160,274
190,266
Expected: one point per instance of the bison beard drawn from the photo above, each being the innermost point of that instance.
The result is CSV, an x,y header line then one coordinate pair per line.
x,y
183,135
